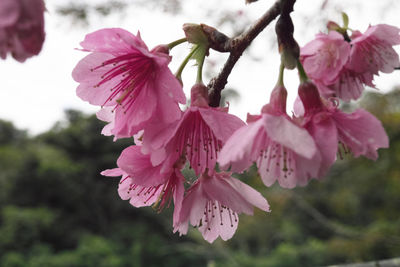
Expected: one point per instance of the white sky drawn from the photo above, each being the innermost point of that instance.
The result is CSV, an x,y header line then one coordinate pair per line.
x,y
35,94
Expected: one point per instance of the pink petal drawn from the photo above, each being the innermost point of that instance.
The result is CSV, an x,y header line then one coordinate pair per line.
x,y
112,40
361,132
250,194
9,12
112,172
222,124
139,167
243,147
285,132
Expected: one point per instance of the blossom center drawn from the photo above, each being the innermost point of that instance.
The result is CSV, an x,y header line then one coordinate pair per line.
x,y
131,71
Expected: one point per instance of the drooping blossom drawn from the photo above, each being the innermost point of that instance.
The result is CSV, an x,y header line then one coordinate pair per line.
x,y
359,132
198,135
373,51
123,74
21,28
144,185
212,204
282,150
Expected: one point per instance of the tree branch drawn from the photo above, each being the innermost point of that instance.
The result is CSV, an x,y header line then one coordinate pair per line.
x,y
380,263
235,46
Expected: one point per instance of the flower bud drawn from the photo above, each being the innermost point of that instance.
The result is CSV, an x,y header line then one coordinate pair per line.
x,y
194,34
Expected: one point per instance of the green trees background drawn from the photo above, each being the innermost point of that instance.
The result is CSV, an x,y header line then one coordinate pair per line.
x,y
57,210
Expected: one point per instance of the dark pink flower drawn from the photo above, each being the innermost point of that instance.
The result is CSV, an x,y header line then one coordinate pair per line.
x,y
281,149
373,51
122,73
198,135
21,28
213,203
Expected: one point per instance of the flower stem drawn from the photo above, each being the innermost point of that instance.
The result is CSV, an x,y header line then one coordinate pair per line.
x,y
280,78
200,63
302,74
177,42
178,73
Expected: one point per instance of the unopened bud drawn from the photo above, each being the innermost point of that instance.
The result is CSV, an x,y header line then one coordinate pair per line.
x,y
194,33
333,26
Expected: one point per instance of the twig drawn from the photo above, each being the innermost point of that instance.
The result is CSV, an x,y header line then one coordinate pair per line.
x,y
380,263
235,46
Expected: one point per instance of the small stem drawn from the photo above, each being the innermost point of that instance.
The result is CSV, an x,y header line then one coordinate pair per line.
x,y
280,78
302,74
236,47
178,73
200,63
177,42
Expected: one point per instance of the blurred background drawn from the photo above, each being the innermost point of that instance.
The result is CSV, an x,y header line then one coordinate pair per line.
x,y
57,210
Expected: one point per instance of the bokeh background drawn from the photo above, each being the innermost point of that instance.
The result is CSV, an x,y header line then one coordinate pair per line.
x,y
57,210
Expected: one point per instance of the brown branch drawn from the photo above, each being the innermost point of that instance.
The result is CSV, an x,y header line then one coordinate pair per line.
x,y
235,46
380,263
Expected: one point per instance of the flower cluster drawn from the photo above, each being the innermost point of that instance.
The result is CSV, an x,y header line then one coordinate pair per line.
x,y
21,28
341,66
139,97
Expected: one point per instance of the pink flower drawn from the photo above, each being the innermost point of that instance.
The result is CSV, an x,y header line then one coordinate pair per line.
x,y
281,149
343,69
150,189
348,85
360,132
372,51
324,57
21,28
122,73
198,135
213,203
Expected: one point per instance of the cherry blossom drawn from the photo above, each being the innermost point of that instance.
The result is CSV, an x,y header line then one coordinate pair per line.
x,y
198,135
122,73
21,28
213,203
281,149
358,132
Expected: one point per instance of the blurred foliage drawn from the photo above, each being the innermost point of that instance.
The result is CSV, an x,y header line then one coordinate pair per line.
x,y
57,210
80,12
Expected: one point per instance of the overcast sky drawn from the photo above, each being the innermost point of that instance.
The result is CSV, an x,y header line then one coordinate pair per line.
x,y
35,94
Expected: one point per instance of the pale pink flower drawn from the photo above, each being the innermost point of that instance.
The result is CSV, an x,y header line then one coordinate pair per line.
x,y
122,73
373,51
198,135
21,28
358,132
324,57
281,149
212,204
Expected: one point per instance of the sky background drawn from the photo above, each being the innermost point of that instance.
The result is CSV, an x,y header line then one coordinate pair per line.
x,y
36,93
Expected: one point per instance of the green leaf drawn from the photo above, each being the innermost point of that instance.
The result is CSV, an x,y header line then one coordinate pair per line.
x,y
345,20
